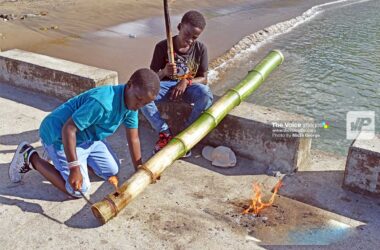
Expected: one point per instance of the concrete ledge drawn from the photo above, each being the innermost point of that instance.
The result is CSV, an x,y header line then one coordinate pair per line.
x,y
52,76
248,131
362,173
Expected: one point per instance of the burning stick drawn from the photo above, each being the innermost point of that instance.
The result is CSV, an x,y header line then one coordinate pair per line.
x,y
257,205
115,183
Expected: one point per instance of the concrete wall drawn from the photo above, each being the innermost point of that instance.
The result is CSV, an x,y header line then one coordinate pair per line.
x,y
247,130
362,173
52,76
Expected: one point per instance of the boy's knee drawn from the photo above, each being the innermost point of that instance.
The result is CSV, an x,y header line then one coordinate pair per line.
x,y
205,96
114,171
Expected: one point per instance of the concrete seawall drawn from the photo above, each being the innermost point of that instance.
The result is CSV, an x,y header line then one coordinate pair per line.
x,y
52,76
247,130
362,173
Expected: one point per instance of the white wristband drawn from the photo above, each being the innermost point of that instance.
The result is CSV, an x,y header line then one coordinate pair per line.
x,y
73,164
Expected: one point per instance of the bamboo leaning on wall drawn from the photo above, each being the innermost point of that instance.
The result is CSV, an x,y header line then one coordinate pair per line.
x,y
113,203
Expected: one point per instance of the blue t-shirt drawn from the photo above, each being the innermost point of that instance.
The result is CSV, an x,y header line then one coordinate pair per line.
x,y
97,113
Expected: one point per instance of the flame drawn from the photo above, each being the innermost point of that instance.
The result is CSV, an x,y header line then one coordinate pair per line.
x,y
115,182
257,204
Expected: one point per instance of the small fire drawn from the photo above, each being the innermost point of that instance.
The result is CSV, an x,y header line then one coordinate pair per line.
x,y
257,205
115,183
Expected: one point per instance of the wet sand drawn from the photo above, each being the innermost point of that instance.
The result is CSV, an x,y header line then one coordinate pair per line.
x,y
87,31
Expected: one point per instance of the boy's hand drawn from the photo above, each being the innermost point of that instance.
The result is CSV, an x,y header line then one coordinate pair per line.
x,y
179,89
75,178
170,70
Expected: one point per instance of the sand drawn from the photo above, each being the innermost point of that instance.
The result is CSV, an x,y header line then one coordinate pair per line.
x,y
84,30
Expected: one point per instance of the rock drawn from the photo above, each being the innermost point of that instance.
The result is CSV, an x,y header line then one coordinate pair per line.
x,y
49,28
8,17
132,35
42,13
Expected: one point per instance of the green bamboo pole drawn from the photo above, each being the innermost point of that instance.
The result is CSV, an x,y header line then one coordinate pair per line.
x,y
187,139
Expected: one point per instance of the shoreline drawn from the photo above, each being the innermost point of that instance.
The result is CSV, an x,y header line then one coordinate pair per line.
x,y
254,41
225,35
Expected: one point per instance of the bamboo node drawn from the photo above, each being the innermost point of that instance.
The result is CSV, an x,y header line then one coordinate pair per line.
x,y
153,177
112,205
238,94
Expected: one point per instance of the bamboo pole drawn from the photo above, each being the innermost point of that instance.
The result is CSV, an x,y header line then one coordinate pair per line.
x,y
110,206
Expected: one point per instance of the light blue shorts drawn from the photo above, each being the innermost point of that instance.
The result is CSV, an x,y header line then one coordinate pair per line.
x,y
98,155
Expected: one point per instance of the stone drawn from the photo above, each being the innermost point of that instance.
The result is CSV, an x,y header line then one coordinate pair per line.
x,y
362,173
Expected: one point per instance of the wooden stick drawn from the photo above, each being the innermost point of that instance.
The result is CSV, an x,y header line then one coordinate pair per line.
x,y
168,33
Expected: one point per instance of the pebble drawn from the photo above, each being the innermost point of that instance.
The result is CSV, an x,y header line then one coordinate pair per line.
x,y
132,35
49,28
9,17
264,218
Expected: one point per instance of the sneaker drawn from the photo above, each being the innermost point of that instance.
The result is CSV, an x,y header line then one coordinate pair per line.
x,y
164,138
20,163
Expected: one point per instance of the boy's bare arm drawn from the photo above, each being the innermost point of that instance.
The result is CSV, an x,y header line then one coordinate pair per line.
x,y
134,146
69,141
201,78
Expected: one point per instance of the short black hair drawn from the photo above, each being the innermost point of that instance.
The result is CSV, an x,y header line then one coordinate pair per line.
x,y
194,18
146,80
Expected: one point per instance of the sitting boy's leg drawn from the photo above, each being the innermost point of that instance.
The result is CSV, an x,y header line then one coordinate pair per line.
x,y
103,160
150,111
200,95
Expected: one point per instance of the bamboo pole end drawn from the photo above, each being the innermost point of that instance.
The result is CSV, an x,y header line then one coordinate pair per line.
x,y
95,210
105,210
280,54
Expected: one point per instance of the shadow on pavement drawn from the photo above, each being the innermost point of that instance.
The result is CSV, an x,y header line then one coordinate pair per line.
x,y
30,136
29,98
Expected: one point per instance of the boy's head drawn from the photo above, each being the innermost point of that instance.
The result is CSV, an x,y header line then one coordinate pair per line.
x,y
143,87
191,26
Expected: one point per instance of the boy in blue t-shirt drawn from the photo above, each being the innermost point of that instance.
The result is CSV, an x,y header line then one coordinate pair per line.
x,y
74,134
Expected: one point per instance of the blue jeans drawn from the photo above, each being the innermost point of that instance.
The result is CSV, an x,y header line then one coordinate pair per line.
x,y
98,155
197,94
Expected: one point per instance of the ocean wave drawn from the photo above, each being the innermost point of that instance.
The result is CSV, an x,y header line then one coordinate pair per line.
x,y
254,41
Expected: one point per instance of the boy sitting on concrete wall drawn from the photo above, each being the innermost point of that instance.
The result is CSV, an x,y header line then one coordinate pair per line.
x,y
185,79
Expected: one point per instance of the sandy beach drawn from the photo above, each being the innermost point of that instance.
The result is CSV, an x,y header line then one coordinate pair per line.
x,y
120,35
